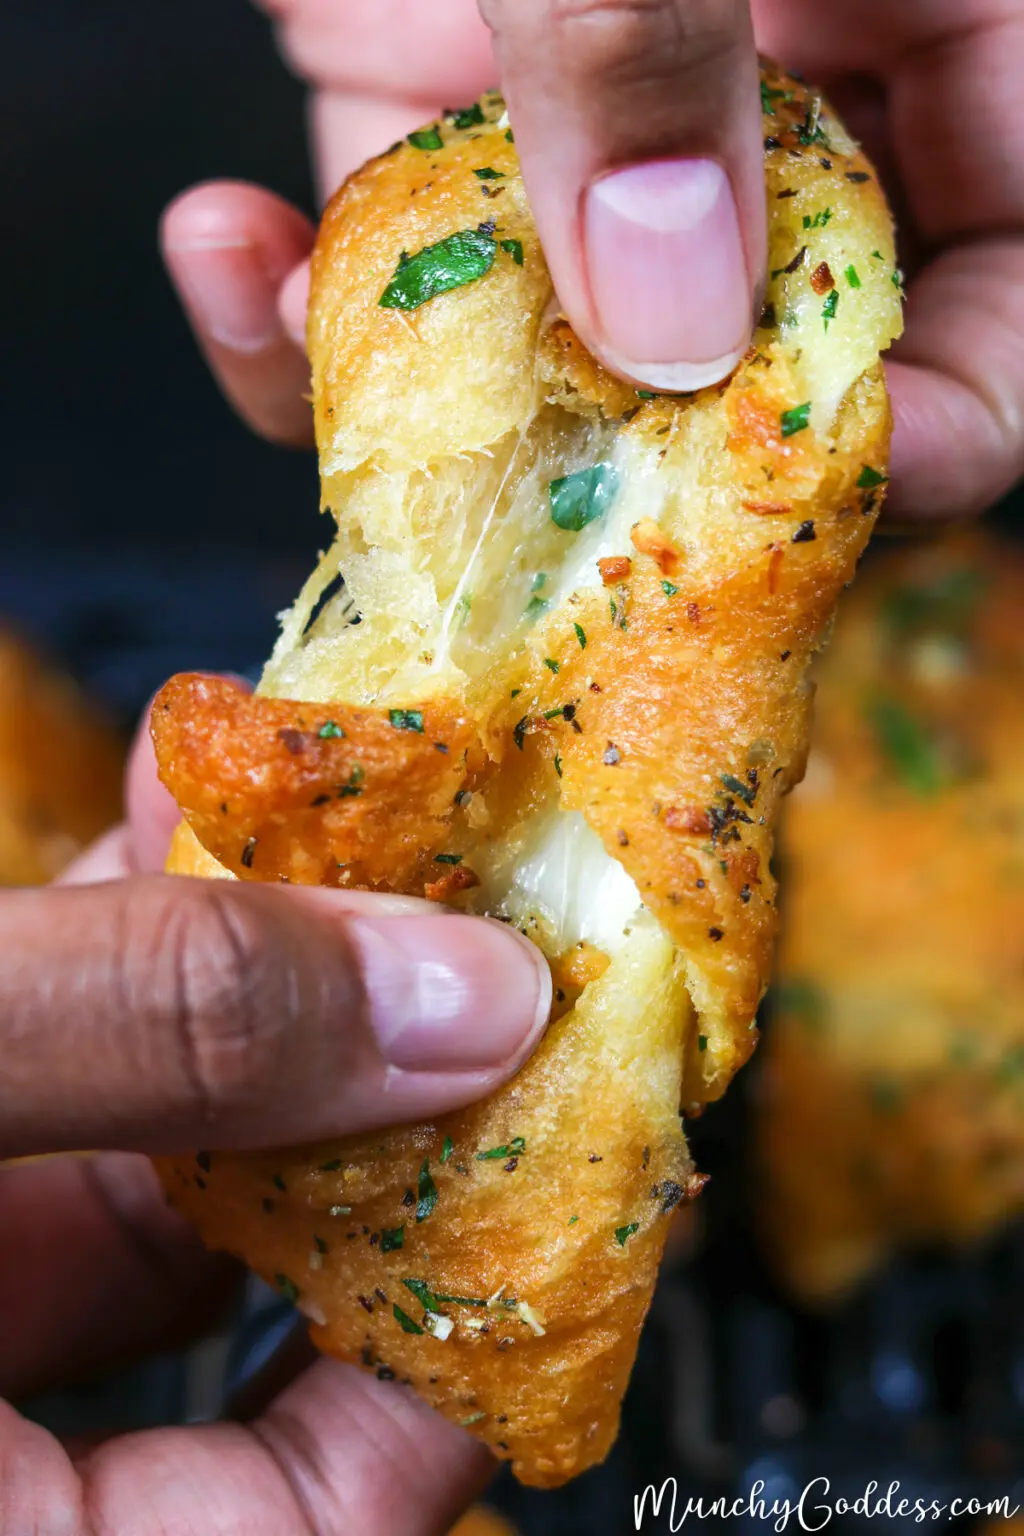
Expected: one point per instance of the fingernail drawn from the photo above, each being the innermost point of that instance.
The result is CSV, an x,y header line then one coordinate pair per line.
x,y
451,993
667,272
230,296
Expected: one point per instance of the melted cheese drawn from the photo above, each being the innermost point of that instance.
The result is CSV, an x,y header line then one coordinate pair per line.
x,y
566,883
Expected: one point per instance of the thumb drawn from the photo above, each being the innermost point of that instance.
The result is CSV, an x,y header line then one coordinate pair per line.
x,y
156,1013
638,125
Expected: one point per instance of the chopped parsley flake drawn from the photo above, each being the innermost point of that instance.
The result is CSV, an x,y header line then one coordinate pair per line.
x,y
552,665
535,607
510,136
581,498
451,263
334,1166
447,858
828,309
572,1221
488,173
1011,1068
623,1234
817,220
421,1290
852,277
558,765
329,731
702,1043
514,249
878,255
353,787
746,792
581,636
885,1096
289,1290
869,478
474,1418
646,394
447,1149
795,419
467,117
321,1246
769,96
802,997
432,1300
947,604
404,1321
907,746
406,719
427,1192
392,1238
426,138
515,1148
669,589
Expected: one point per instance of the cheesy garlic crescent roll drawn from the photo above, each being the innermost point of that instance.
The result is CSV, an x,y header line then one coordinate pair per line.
x,y
553,669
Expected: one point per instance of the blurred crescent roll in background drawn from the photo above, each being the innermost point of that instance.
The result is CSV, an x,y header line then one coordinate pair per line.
x,y
892,1110
60,768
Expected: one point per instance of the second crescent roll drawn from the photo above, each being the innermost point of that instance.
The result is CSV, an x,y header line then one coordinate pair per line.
x,y
553,668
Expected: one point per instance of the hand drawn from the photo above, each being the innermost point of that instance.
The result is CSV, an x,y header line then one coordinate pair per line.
x,y
665,88
147,1012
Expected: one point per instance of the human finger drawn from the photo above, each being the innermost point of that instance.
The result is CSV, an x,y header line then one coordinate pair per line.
x,y
160,1013
395,49
639,131
957,384
337,1451
228,247
77,1231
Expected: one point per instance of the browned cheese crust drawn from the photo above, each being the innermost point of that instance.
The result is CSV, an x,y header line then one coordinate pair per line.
x,y
574,697
893,1110
60,769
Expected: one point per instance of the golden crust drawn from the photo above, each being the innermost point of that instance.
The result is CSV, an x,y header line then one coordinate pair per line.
x,y
60,769
627,744
479,1521
892,1107
568,1222
279,792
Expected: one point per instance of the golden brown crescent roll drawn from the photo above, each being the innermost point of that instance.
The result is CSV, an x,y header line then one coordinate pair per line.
x,y
893,1111
480,1521
60,768
553,668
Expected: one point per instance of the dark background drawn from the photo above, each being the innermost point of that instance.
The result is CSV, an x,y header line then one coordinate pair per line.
x,y
142,528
